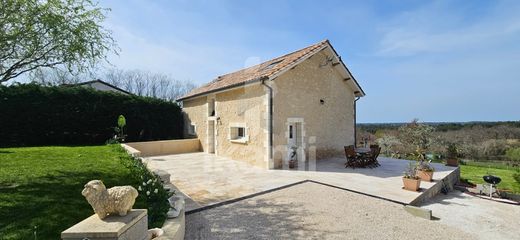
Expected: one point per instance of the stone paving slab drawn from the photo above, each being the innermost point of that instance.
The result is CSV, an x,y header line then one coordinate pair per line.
x,y
210,179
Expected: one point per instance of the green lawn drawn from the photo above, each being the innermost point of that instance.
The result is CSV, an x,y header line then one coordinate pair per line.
x,y
510,177
40,187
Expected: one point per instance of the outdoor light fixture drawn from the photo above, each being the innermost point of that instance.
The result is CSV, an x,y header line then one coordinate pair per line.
x,y
322,101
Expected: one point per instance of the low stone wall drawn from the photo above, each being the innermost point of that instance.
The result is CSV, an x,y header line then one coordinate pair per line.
x,y
166,147
449,181
173,228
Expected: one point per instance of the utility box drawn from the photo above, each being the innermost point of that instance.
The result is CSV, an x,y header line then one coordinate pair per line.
x,y
133,226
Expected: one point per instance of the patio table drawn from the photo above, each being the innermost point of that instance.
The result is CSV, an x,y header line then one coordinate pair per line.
x,y
362,150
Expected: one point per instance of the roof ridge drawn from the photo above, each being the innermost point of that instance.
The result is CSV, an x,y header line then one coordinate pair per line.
x,y
245,75
272,59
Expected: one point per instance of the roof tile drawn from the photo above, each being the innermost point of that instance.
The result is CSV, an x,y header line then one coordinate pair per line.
x,y
256,72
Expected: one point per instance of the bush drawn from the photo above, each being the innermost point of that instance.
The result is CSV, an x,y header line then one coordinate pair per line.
x,y
150,188
36,115
513,154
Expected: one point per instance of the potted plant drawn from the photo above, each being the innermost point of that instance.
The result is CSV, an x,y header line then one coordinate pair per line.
x,y
425,170
410,180
452,159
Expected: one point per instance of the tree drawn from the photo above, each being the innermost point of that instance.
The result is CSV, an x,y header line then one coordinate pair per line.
x,y
138,82
418,135
387,142
47,34
145,83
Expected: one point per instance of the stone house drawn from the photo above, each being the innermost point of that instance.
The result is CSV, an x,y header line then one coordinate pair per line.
x,y
301,104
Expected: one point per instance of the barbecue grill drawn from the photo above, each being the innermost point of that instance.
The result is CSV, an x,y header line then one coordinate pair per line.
x,y
492,180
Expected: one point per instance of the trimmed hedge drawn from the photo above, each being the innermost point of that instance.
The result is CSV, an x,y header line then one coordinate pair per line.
x,y
33,115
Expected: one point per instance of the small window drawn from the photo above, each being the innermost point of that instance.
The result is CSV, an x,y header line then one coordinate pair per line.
x,y
238,134
241,132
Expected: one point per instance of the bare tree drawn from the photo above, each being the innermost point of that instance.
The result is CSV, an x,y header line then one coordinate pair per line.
x,y
138,82
145,83
55,76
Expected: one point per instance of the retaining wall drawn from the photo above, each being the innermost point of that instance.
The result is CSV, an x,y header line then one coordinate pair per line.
x,y
166,147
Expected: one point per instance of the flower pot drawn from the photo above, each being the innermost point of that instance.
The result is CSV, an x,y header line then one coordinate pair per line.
x,y
425,175
292,163
412,184
454,162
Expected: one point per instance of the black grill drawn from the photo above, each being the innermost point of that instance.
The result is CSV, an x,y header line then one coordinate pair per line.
x,y
492,179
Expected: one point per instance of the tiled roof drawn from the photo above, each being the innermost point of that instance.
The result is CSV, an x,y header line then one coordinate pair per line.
x,y
262,70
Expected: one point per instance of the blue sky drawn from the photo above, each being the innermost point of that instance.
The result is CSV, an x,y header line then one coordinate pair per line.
x,y
432,60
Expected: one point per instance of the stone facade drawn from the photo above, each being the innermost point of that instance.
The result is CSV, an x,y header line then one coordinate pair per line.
x,y
313,93
245,107
317,96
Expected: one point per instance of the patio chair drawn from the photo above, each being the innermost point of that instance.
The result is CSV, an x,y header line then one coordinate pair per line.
x,y
352,158
371,159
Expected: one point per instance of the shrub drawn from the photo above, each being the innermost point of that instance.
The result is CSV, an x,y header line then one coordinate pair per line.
x,y
36,115
150,188
513,154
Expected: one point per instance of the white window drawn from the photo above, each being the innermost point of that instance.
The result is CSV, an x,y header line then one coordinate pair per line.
x,y
192,130
238,133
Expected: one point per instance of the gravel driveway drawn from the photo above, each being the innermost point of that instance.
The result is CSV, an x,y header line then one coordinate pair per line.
x,y
487,219
314,211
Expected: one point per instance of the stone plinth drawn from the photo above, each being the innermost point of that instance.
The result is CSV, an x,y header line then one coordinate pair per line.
x,y
133,226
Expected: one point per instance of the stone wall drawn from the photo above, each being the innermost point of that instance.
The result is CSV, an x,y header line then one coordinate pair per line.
x,y
196,112
245,106
156,148
327,126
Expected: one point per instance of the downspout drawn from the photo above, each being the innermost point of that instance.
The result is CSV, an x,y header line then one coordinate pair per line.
x,y
355,121
270,103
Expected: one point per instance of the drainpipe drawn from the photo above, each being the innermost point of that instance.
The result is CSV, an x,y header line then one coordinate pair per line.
x,y
270,89
355,121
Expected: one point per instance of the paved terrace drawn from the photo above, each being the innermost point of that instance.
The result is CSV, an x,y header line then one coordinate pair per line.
x,y
208,179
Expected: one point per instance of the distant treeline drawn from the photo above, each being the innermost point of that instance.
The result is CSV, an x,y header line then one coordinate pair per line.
x,y
481,141
439,126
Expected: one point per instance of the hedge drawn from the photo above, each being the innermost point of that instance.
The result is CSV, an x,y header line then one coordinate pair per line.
x,y
33,115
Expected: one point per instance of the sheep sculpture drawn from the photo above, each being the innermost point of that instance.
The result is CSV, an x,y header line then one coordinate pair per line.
x,y
115,200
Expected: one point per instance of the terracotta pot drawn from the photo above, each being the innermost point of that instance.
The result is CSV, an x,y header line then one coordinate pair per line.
x,y
454,162
425,175
411,184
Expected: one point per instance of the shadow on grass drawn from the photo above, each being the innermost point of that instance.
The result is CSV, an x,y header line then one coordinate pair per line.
x,y
5,152
50,203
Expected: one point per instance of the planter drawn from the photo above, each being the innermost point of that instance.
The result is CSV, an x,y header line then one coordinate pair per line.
x,y
425,175
453,162
412,184
293,163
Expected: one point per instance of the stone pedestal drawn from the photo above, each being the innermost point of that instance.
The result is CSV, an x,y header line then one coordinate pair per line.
x,y
133,226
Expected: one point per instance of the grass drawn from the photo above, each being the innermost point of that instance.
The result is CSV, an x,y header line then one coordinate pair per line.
x,y
510,177
40,187
473,171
